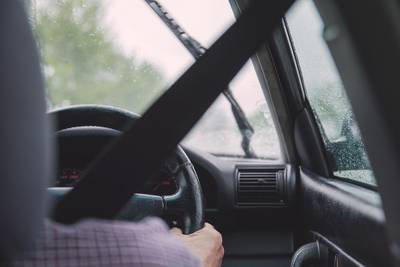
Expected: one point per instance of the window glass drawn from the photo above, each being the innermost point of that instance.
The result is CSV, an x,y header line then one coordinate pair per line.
x,y
326,94
119,53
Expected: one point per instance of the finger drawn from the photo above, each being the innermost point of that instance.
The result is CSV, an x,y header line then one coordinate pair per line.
x,y
208,225
176,231
220,255
221,251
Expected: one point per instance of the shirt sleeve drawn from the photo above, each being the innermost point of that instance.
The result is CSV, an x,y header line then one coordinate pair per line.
x,y
147,243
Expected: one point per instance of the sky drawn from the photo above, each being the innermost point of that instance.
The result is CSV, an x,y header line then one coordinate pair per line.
x,y
139,31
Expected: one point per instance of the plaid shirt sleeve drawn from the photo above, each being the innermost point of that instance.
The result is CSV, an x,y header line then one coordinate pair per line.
x,y
108,243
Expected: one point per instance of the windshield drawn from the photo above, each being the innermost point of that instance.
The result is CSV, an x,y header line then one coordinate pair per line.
x,y
119,53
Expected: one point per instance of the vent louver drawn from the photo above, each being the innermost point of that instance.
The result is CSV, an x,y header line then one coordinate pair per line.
x,y
260,186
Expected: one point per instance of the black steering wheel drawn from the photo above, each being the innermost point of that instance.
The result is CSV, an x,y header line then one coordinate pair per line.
x,y
96,121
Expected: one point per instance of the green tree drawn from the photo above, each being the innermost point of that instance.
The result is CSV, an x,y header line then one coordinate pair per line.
x,y
83,65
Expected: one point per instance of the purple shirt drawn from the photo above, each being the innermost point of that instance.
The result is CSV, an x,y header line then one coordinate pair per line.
x,y
108,243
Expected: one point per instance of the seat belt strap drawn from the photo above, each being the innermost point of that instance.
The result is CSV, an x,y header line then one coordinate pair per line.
x,y
143,147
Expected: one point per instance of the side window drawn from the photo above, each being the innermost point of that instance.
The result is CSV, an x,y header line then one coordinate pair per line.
x,y
326,95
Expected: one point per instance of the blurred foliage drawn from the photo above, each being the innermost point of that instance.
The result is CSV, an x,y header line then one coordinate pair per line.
x,y
83,65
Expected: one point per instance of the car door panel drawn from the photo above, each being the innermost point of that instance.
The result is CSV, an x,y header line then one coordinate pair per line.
x,y
346,215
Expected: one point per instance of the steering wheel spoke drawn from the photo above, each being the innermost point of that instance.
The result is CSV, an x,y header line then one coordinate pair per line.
x,y
142,205
174,204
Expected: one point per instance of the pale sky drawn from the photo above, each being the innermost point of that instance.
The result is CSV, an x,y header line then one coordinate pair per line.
x,y
139,32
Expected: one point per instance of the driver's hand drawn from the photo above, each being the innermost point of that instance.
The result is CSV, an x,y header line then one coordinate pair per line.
x,y
206,244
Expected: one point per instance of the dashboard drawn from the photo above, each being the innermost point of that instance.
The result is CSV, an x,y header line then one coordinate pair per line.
x,y
77,149
228,185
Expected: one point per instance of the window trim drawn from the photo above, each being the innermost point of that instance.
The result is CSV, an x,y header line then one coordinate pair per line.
x,y
286,64
307,105
269,78
356,182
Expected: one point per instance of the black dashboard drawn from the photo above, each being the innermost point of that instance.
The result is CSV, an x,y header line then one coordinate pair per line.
x,y
228,184
79,146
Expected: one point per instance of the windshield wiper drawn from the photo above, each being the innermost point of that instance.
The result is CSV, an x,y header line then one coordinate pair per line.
x,y
197,50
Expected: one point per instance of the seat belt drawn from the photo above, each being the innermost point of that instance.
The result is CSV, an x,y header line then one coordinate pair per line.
x,y
128,162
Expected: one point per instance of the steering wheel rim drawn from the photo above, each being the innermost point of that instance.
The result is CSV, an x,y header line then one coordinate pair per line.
x,y
186,203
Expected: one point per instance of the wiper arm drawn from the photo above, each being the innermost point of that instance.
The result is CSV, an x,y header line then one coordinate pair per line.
x,y
197,50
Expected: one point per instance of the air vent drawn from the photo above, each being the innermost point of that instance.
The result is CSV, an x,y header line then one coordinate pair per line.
x,y
260,186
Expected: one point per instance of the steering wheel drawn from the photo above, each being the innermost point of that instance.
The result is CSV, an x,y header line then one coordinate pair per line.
x,y
96,121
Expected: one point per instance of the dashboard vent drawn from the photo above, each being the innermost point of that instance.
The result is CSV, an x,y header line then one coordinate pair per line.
x,y
260,186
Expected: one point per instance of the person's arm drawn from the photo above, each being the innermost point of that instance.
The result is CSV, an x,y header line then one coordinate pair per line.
x,y
109,243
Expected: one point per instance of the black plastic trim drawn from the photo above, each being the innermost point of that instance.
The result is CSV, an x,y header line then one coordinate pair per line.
x,y
346,215
281,185
340,253
311,153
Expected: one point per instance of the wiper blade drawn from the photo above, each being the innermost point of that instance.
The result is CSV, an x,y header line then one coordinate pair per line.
x,y
197,50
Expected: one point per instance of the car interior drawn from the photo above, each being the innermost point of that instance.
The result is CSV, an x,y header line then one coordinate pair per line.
x,y
275,121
